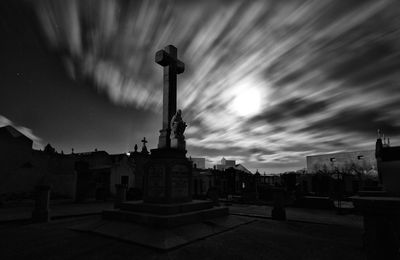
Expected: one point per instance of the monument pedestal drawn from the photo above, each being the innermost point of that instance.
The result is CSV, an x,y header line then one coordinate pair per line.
x,y
167,200
168,177
163,139
166,215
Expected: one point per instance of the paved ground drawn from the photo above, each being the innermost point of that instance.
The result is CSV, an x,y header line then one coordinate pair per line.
x,y
61,208
309,234
263,239
299,214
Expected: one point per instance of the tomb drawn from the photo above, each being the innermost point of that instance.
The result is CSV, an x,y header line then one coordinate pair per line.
x,y
381,209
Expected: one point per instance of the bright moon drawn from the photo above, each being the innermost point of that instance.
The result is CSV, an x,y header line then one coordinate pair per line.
x,y
247,100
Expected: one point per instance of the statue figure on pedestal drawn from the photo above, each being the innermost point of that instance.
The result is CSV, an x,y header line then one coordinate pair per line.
x,y
178,126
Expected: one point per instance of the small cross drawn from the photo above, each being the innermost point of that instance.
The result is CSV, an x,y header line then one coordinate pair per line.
x,y
144,141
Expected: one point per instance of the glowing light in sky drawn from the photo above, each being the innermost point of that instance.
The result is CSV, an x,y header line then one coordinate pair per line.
x,y
247,99
247,103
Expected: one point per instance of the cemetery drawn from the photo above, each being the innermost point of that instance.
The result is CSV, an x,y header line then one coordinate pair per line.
x,y
168,218
199,129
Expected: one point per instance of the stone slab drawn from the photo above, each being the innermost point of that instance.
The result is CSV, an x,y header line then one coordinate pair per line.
x,y
162,238
166,209
372,193
158,220
315,202
376,202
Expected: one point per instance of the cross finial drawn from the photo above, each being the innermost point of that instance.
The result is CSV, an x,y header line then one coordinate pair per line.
x,y
144,141
144,148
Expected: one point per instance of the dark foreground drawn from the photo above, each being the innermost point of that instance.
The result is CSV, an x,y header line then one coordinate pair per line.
x,y
262,239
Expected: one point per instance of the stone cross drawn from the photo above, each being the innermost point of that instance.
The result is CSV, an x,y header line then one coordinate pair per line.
x,y
168,58
144,141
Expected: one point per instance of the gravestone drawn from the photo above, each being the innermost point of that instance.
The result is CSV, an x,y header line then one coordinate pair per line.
x,y
214,196
278,211
42,201
120,195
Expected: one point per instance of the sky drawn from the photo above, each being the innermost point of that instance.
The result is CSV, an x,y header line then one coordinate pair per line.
x,y
266,82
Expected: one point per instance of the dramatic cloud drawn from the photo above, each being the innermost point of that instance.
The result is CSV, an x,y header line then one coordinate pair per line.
x,y
267,82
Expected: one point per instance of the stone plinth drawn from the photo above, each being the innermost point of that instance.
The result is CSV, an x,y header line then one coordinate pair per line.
x,y
381,226
42,201
372,193
162,238
120,195
178,143
166,209
168,177
278,211
315,202
167,200
166,215
164,138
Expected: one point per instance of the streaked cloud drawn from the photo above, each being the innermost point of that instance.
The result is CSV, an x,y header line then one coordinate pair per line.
x,y
323,73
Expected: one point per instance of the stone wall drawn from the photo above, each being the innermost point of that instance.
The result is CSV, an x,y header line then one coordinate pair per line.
x,y
121,168
390,176
362,159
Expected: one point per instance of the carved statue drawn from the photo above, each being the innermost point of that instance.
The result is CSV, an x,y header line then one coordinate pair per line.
x,y
178,126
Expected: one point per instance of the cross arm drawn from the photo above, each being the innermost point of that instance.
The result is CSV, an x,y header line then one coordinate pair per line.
x,y
164,59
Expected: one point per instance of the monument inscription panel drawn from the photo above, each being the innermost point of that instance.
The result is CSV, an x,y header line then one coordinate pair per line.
x,y
156,181
179,181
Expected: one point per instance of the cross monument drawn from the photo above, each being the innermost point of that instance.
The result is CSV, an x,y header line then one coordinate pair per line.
x,y
167,172
168,58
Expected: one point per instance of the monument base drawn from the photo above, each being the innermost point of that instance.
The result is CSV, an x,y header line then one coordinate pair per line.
x,y
163,139
160,238
168,177
166,215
